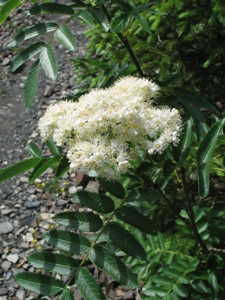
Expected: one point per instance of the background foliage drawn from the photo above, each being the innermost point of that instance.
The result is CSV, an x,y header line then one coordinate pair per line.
x,y
160,228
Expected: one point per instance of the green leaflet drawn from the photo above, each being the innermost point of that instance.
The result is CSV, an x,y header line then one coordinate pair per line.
x,y
180,290
88,286
33,31
141,20
31,83
26,54
43,165
38,283
86,17
132,216
34,150
113,266
99,15
113,187
51,8
53,148
208,143
7,8
66,295
49,63
18,168
124,240
65,37
53,262
98,202
63,166
168,168
204,155
84,221
120,23
68,241
180,152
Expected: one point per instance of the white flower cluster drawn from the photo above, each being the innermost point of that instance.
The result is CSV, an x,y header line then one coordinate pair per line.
x,y
107,128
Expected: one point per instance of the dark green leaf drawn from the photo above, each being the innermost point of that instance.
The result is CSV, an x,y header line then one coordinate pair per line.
x,y
51,8
63,166
142,194
141,20
26,54
168,168
208,143
34,150
31,83
7,8
120,23
132,216
84,221
48,62
43,165
99,15
68,241
180,290
181,151
18,168
86,17
53,148
88,286
203,180
123,5
53,262
66,295
65,37
124,240
38,283
113,266
113,187
33,31
98,202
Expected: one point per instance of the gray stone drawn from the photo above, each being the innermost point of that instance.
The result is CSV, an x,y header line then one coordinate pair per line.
x,y
12,258
61,202
20,294
6,211
6,265
6,227
3,291
32,204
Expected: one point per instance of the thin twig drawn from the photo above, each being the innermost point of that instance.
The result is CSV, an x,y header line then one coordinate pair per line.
x,y
127,45
191,212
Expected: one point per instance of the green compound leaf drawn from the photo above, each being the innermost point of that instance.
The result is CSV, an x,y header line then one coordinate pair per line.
x,y
34,150
132,216
33,31
18,168
113,266
43,165
83,221
113,187
65,37
66,295
53,262
62,167
49,63
38,283
51,8
124,240
98,202
88,286
180,152
53,148
68,241
31,84
99,15
7,8
24,55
